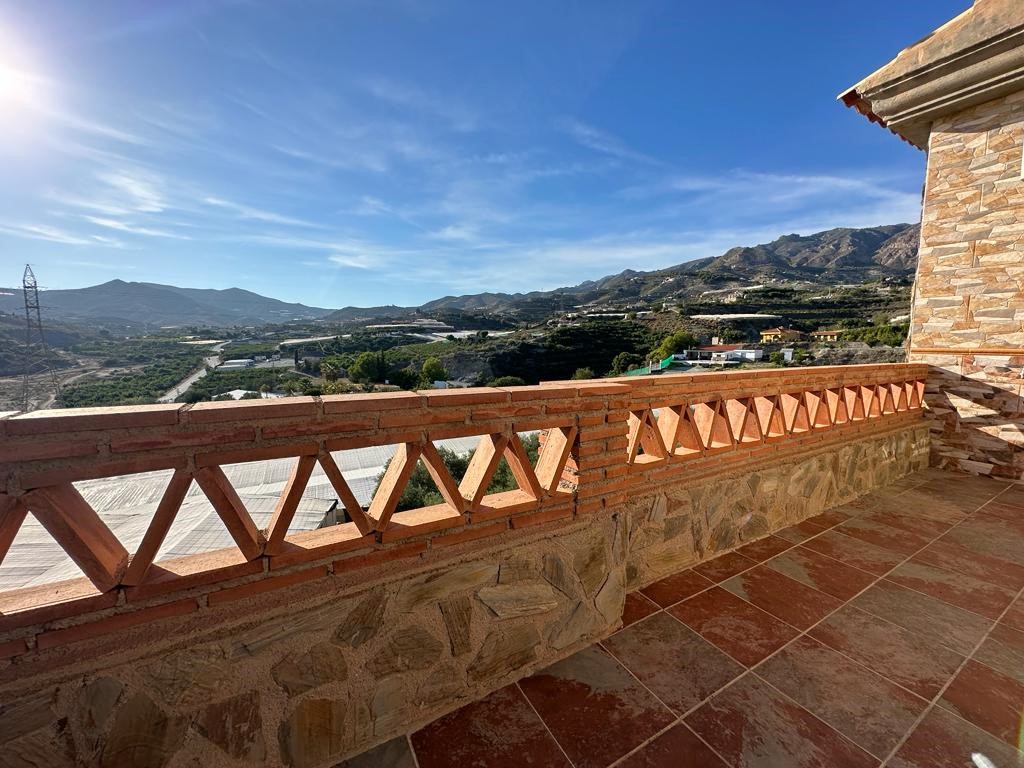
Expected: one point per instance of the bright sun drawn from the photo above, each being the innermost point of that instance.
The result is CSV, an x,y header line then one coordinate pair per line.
x,y
18,92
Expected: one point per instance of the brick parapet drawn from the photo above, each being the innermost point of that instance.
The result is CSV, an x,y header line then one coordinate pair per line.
x,y
598,418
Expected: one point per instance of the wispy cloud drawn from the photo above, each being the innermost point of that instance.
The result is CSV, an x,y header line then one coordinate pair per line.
x,y
45,232
409,97
257,214
140,190
601,141
122,226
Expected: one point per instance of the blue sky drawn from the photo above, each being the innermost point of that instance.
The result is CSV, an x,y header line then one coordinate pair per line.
x,y
375,151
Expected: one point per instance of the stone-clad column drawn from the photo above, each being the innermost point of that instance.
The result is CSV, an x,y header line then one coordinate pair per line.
x,y
968,311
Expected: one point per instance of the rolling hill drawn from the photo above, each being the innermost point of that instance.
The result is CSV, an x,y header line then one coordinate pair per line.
x,y
152,305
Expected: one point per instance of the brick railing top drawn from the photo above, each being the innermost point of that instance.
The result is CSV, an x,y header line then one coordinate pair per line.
x,y
602,439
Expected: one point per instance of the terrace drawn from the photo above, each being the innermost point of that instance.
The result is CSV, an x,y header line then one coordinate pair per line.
x,y
747,568
305,647
889,630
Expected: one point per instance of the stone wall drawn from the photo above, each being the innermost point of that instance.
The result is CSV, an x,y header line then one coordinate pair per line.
x,y
968,313
305,675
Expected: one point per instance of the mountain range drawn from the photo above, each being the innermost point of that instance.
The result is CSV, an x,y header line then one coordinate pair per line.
x,y
829,257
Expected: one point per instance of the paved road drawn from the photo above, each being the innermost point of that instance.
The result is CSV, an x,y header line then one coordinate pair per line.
x,y
182,386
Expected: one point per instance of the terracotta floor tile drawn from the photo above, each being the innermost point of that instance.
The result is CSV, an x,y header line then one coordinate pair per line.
x,y
782,597
1006,510
391,754
800,532
992,536
823,573
893,652
673,661
866,708
911,523
991,700
943,740
932,619
944,502
884,536
830,518
678,747
854,552
724,566
1012,522
752,725
594,707
498,731
676,587
637,607
764,548
742,630
1014,617
1003,650
953,557
954,588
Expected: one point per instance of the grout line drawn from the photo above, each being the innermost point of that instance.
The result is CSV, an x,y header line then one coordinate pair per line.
x,y
949,682
542,722
412,751
752,669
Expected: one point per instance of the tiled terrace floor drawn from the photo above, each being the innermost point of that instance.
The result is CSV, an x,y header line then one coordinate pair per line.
x,y
886,632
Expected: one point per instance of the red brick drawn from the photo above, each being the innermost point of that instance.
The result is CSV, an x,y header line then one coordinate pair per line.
x,y
306,428
546,392
266,584
471,396
539,518
35,451
248,410
180,439
574,406
256,453
50,602
325,542
68,420
180,573
371,402
403,551
423,417
470,534
596,388
13,648
591,420
510,411
602,433
90,470
415,522
380,438
115,623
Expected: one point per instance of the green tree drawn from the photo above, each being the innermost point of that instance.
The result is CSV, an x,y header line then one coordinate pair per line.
x,y
776,358
625,361
507,381
329,368
583,373
369,367
432,371
678,342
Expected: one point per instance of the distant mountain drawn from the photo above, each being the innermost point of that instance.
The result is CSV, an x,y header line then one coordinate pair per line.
x,y
833,256
152,305
836,255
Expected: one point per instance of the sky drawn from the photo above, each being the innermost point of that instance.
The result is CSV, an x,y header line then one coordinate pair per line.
x,y
365,152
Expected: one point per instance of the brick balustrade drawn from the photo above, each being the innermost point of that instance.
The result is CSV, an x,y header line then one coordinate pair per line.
x,y
603,440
